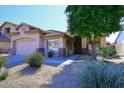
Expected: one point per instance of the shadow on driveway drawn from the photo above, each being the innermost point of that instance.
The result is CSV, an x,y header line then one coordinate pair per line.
x,y
28,71
15,60
68,77
58,60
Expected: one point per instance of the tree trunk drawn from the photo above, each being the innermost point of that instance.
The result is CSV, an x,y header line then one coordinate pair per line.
x,y
94,50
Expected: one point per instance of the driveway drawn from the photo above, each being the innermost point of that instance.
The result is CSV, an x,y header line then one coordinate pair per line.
x,y
15,60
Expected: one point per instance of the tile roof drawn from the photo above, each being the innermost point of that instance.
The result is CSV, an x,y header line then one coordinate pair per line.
x,y
30,26
55,31
4,38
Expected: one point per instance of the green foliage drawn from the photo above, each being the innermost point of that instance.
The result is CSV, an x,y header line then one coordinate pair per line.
x,y
1,50
35,60
3,61
108,51
97,75
4,75
93,21
69,44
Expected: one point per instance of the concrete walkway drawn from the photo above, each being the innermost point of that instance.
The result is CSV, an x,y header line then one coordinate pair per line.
x,y
58,60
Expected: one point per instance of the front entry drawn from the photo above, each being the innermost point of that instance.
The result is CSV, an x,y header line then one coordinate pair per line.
x,y
77,45
53,47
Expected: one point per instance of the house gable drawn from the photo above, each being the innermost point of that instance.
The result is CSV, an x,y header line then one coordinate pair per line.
x,y
23,28
7,28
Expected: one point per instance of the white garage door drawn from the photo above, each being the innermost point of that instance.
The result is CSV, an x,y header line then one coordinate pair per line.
x,y
25,48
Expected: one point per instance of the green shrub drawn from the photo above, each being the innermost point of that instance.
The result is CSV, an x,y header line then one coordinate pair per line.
x,y
4,75
35,60
50,53
1,50
108,51
97,75
3,61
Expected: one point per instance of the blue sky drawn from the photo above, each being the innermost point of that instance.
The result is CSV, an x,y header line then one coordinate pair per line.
x,y
45,17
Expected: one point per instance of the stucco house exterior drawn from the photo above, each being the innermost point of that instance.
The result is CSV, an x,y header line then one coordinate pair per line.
x,y
5,39
27,39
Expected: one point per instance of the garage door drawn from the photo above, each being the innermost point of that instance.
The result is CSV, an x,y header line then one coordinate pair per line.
x,y
25,48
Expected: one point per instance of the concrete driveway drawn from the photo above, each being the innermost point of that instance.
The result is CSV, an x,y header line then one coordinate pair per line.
x,y
15,60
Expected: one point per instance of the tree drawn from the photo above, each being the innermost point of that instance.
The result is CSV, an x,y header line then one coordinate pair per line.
x,y
93,22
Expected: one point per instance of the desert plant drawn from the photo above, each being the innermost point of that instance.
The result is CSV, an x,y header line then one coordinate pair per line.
x,y
50,53
35,60
3,61
3,75
97,75
108,51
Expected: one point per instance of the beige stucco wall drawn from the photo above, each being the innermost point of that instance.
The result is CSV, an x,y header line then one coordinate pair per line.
x,y
30,36
84,42
120,49
22,35
26,28
102,41
5,45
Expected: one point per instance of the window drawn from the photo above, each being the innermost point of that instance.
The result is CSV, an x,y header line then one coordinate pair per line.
x,y
53,44
7,30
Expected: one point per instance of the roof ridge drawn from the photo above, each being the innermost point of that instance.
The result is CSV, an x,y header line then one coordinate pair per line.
x,y
9,23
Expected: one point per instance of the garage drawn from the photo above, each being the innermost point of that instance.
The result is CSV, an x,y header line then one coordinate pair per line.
x,y
25,47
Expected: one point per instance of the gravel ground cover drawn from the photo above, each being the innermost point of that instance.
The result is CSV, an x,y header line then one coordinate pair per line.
x,y
69,77
23,76
50,76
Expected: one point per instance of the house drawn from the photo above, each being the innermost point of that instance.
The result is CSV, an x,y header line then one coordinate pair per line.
x,y
5,43
5,39
119,43
27,39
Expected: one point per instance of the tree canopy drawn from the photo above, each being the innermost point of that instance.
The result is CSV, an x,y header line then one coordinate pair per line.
x,y
92,21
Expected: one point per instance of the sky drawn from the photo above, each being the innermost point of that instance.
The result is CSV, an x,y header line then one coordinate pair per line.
x,y
112,37
44,17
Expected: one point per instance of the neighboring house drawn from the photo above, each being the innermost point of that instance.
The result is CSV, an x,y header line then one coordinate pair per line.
x,y
5,43
5,39
119,43
27,39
